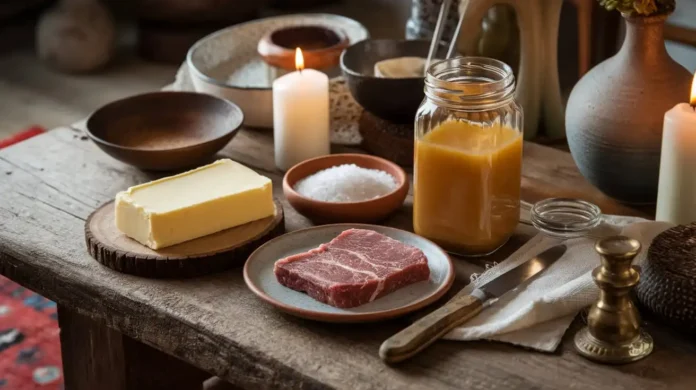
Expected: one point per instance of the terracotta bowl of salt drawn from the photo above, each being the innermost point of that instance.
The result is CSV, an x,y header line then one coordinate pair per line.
x,y
340,188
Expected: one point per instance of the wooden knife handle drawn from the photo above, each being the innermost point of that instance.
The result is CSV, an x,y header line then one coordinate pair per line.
x,y
428,329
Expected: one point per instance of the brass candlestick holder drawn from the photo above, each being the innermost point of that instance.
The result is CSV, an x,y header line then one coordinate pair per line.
x,y
613,334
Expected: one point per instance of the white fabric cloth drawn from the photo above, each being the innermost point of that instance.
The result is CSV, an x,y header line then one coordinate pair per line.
x,y
537,313
182,81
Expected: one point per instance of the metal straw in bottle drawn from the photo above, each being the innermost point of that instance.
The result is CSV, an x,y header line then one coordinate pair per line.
x,y
437,34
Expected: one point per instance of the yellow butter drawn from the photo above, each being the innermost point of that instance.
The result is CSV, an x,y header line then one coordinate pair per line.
x,y
193,204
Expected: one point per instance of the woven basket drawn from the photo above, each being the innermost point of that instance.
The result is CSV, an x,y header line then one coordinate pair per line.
x,y
388,140
668,282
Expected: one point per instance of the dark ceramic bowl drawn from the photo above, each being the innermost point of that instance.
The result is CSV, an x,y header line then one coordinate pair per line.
x,y
395,100
165,131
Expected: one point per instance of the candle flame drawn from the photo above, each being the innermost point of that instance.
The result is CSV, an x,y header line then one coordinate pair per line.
x,y
299,59
693,92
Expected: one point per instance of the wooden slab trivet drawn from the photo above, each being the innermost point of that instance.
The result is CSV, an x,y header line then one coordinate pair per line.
x,y
393,141
204,255
667,285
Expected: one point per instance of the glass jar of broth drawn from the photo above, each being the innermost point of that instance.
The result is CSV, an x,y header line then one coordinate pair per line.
x,y
468,156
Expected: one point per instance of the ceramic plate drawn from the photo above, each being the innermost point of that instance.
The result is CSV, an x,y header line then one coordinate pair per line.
x,y
259,277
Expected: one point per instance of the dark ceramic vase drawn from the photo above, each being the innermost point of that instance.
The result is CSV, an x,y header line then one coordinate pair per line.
x,y
614,115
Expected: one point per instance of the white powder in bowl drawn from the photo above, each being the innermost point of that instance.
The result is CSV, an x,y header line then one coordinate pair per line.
x,y
346,183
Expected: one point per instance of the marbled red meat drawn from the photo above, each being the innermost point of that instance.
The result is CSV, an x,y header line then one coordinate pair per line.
x,y
355,268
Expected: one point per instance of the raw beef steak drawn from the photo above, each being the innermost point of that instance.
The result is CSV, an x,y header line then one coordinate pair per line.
x,y
355,268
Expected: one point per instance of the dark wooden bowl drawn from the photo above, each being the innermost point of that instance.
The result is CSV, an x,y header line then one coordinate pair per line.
x,y
321,46
369,211
165,131
395,100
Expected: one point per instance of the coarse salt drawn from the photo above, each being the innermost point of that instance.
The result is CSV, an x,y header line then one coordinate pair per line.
x,y
346,183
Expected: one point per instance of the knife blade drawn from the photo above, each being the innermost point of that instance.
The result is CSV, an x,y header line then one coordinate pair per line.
x,y
463,307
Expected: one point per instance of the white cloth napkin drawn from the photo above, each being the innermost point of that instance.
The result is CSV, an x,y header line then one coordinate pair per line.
x,y
537,313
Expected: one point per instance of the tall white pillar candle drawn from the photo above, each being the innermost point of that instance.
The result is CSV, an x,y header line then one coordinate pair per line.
x,y
676,197
300,116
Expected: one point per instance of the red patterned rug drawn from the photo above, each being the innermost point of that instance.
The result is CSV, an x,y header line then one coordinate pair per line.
x,y
29,333
24,135
29,340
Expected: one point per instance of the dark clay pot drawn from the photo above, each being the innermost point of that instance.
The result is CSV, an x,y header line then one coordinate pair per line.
x,y
615,113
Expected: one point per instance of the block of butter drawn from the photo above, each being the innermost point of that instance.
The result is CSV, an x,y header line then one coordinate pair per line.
x,y
193,204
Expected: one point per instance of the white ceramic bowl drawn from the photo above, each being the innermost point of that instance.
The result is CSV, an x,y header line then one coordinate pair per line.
x,y
227,64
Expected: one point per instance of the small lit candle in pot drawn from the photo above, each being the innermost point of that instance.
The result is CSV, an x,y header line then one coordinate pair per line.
x,y
300,115
676,199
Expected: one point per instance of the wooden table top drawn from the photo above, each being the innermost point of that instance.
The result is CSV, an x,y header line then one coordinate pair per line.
x,y
51,183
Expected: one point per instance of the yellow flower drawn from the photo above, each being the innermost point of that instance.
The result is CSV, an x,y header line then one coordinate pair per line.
x,y
645,7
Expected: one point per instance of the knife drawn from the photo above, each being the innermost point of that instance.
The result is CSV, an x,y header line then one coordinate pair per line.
x,y
462,307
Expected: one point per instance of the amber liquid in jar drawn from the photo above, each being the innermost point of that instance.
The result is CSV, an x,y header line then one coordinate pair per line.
x,y
468,165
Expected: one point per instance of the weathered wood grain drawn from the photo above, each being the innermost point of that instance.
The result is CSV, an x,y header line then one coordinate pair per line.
x,y
97,357
92,354
548,172
33,93
51,183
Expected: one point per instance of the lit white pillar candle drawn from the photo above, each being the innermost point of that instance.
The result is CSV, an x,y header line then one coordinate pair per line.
x,y
300,115
676,197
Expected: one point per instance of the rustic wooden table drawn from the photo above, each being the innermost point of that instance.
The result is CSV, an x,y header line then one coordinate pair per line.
x,y
125,332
